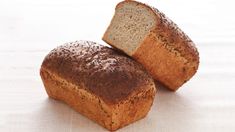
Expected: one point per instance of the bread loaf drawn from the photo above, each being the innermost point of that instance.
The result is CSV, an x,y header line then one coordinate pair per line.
x,y
148,36
102,84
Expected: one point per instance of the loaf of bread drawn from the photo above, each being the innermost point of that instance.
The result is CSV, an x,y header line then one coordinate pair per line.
x,y
103,84
152,39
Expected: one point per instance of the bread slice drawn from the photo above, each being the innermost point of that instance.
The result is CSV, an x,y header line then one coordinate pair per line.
x,y
147,35
102,84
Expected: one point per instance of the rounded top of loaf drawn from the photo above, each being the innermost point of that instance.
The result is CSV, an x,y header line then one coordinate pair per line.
x,y
101,70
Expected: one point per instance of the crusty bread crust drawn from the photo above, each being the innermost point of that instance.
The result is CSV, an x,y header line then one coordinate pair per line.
x,y
105,72
167,52
172,71
111,113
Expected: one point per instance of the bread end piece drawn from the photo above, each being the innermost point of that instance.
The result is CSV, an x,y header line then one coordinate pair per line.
x,y
148,36
110,116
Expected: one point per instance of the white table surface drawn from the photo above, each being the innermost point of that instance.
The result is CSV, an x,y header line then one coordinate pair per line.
x,y
29,29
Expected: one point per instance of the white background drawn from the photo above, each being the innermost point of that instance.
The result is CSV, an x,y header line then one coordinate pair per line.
x,y
29,29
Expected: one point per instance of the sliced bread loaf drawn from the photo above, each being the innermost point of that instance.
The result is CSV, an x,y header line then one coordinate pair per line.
x,y
147,35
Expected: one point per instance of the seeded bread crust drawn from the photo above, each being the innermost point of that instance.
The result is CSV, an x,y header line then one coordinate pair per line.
x,y
99,82
166,52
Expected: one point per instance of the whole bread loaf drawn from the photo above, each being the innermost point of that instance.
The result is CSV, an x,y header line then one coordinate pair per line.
x,y
148,36
103,84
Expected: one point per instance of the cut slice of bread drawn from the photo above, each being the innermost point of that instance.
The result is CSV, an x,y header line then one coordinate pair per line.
x,y
148,36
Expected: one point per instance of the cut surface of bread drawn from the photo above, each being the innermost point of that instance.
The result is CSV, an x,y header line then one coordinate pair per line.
x,y
148,36
129,27
93,79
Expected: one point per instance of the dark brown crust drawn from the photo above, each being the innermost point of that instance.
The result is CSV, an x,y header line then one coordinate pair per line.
x,y
167,52
170,34
103,71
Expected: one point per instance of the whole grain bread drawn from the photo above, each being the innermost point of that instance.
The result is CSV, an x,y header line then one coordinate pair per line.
x,y
103,84
148,36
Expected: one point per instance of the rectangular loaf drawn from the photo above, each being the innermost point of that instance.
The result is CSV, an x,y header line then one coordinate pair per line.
x,y
100,83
